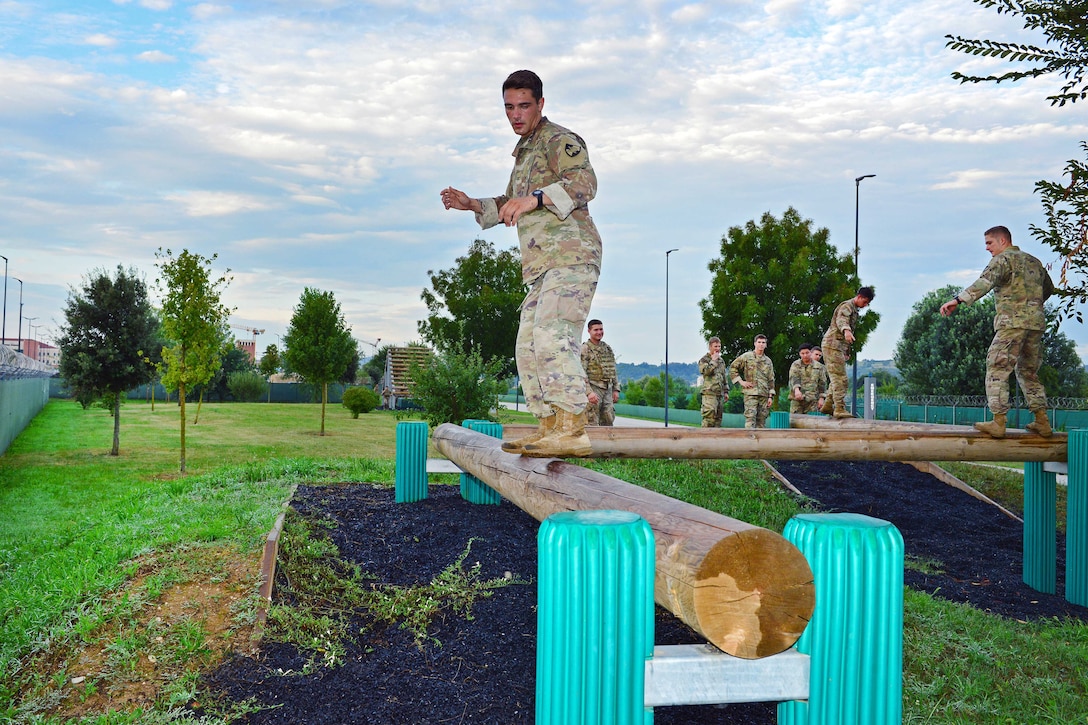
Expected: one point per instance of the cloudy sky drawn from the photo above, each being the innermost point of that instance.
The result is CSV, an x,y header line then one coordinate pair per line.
x,y
306,143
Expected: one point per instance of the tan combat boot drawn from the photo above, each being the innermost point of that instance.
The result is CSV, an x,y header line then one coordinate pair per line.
x,y
543,428
1041,424
841,412
995,428
828,407
567,439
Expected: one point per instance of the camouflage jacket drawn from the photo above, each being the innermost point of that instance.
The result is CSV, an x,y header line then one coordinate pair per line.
x,y
756,369
809,378
562,234
599,362
1020,285
845,318
713,372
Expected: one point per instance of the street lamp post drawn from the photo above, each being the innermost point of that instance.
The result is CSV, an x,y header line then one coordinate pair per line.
x,y
4,324
857,214
19,342
667,335
29,330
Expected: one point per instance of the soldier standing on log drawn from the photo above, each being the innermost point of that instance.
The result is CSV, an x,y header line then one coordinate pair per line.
x,y
806,382
1021,285
712,368
547,199
754,372
837,341
604,385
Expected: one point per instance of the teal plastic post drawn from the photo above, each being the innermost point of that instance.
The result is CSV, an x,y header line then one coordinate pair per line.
x,y
411,474
473,489
779,419
1076,520
595,618
855,638
1040,528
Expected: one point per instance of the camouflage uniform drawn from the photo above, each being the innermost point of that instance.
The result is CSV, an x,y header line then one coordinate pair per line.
x,y
560,260
821,374
810,379
714,387
599,362
836,349
1020,285
756,369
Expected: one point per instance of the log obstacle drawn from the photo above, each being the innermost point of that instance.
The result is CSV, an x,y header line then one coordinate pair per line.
x,y
745,588
856,442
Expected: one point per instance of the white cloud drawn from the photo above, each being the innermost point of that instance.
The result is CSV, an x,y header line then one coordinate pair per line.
x,y
215,203
968,179
156,56
100,40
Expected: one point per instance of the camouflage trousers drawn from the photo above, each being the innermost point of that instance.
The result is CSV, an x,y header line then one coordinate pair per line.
x,y
548,350
803,407
756,410
835,362
712,410
1019,350
603,413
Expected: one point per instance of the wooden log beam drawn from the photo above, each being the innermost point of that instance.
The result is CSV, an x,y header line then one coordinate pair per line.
x,y
852,441
745,588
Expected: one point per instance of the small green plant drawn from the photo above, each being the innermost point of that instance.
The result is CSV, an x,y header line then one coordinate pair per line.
x,y
246,386
360,400
923,565
455,386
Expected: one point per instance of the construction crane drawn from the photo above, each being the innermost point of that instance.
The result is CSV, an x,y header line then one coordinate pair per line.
x,y
372,344
250,347
254,330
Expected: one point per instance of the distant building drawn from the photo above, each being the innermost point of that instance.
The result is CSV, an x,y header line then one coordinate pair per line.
x,y
396,384
250,348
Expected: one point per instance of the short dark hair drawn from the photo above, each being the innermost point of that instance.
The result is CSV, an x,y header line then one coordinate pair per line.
x,y
713,340
760,336
867,293
525,79
805,346
999,231
591,323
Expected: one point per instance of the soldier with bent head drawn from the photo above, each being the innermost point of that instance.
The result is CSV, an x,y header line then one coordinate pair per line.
x,y
712,368
837,341
806,382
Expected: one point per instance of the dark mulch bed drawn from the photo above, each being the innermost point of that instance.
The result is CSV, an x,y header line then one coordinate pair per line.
x,y
484,670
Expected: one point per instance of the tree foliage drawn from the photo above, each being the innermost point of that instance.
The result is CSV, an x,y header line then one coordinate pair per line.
x,y
270,365
108,340
319,342
374,368
1064,23
783,280
194,320
246,386
360,400
474,305
454,386
947,355
1066,232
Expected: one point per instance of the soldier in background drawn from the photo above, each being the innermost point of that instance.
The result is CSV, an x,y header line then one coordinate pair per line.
x,y
837,341
547,199
818,363
754,372
604,386
1021,285
806,382
712,368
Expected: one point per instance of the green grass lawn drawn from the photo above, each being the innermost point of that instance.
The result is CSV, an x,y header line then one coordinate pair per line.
x,y
91,546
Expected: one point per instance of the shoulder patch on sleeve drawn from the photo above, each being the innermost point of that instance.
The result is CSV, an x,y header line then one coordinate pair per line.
x,y
572,150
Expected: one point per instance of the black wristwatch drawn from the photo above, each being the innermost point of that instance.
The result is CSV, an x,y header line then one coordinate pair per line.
x,y
539,198
958,300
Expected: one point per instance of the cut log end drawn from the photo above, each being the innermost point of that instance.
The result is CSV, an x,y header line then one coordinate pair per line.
x,y
754,594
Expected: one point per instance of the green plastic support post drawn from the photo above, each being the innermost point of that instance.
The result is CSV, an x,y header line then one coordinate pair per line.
x,y
779,419
411,473
473,489
1076,520
595,618
1040,528
855,638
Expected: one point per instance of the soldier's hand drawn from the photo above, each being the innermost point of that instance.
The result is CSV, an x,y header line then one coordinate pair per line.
x,y
512,210
457,199
949,307
593,398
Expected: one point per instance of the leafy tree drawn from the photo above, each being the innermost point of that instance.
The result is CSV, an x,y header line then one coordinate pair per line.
x,y
246,386
270,365
474,305
1064,24
783,280
633,393
455,386
232,360
947,355
360,400
194,319
319,342
108,335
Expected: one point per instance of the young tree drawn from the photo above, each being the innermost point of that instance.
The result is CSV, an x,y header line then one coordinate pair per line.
x,y
474,305
319,343
455,386
1064,24
783,280
107,339
194,320
270,365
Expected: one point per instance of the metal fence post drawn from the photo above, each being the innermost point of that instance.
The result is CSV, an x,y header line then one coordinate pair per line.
x,y
595,618
855,638
1040,528
411,473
